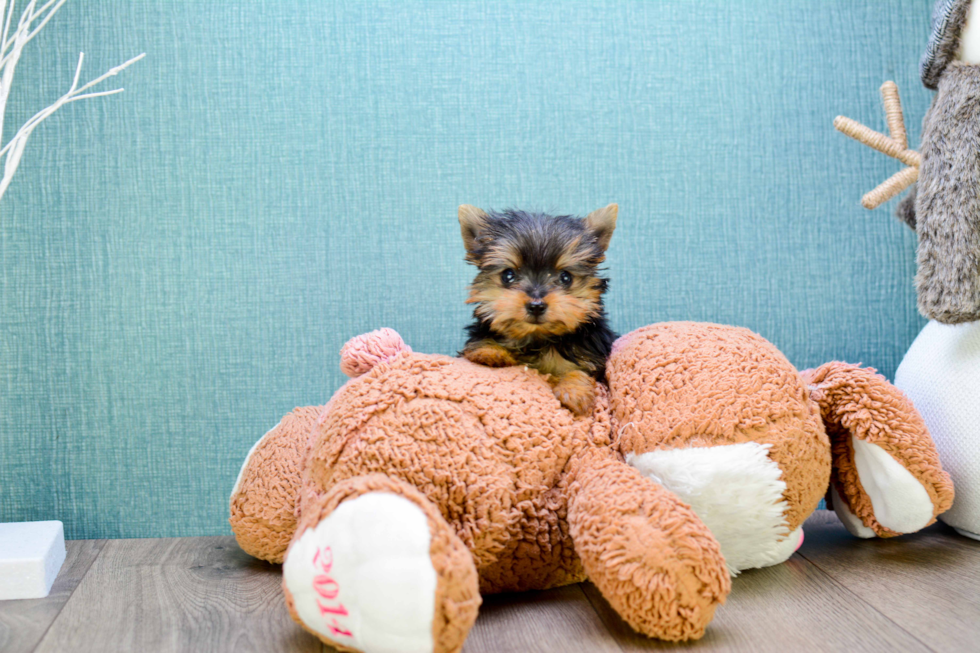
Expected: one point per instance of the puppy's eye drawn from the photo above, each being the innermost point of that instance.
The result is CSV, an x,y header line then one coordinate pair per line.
x,y
565,279
508,276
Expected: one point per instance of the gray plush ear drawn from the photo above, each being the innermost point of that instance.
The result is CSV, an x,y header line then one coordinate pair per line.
x,y
603,222
948,20
905,211
471,222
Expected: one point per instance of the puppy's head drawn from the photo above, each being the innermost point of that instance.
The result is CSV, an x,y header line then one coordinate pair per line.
x,y
538,273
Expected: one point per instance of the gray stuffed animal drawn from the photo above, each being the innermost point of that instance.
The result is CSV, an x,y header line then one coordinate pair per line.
x,y
944,206
941,371
946,213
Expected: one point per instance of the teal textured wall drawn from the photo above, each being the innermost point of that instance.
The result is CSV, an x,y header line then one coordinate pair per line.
x,y
180,264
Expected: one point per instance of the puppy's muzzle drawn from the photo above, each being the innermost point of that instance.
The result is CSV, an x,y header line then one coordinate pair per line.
x,y
536,307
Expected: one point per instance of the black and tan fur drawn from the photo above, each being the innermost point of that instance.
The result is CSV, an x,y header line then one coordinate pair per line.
x,y
538,296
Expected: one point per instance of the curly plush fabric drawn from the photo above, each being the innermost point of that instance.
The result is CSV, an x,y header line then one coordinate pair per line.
x,y
687,384
491,448
264,501
457,597
646,551
517,493
362,353
857,402
488,446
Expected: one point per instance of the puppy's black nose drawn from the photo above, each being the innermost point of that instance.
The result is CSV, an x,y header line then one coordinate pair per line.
x,y
536,307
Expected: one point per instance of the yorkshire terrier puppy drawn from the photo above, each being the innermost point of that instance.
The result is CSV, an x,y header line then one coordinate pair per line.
x,y
538,296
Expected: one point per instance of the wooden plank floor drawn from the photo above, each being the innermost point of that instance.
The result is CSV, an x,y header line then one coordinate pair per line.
x,y
915,593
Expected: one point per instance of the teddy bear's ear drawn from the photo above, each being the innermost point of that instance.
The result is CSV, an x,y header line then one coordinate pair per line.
x,y
471,222
602,222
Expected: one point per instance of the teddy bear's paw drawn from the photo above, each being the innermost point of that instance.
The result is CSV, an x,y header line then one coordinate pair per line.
x,y
363,577
898,499
851,522
887,472
781,551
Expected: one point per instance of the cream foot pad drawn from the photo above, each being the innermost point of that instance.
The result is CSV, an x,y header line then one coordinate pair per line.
x,y
363,577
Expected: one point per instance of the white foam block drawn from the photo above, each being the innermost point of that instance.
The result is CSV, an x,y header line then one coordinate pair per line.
x,y
31,554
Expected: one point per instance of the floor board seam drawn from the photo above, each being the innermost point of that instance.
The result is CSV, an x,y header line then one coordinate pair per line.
x,y
598,613
40,640
864,601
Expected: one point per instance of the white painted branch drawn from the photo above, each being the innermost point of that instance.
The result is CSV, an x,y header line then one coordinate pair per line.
x,y
32,20
26,26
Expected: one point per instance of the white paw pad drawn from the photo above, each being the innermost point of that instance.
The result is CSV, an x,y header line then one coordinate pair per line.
x,y
363,577
899,500
851,522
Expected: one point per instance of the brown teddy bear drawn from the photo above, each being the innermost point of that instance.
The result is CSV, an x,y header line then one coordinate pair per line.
x,y
428,480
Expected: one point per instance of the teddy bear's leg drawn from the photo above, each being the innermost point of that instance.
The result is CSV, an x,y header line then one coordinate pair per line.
x,y
263,501
648,553
737,491
886,479
374,567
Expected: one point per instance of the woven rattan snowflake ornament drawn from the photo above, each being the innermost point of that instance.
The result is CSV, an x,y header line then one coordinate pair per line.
x,y
895,145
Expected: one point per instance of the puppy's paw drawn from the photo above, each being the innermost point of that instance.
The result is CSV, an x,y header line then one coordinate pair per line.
x,y
489,354
576,392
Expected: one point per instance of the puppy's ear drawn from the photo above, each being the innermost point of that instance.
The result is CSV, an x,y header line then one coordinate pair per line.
x,y
471,222
602,222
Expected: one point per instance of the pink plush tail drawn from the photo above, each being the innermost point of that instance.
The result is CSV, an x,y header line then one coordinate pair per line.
x,y
363,352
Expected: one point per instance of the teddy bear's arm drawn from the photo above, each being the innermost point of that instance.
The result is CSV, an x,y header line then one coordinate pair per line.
x,y
639,543
887,478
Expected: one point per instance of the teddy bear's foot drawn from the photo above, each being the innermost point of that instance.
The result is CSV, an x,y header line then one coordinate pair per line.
x,y
378,570
263,501
886,479
737,491
362,577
